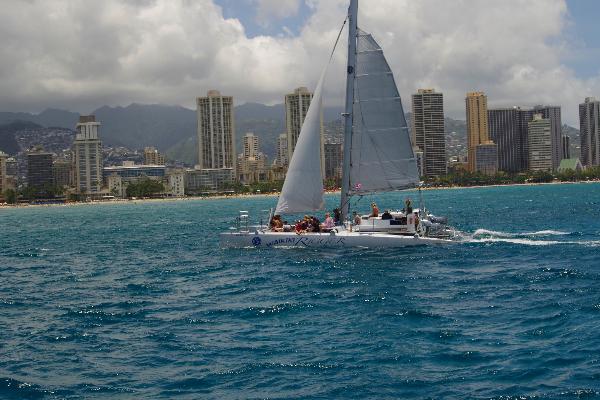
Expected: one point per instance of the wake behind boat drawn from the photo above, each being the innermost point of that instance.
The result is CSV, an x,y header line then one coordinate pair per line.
x,y
378,157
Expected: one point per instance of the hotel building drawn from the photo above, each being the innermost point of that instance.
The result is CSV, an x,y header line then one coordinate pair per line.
x,y
87,156
216,133
589,124
428,131
477,131
540,144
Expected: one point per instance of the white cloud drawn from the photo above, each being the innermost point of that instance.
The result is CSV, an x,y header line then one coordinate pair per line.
x,y
80,55
268,10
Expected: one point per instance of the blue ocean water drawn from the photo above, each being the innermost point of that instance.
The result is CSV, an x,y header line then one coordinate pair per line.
x,y
138,301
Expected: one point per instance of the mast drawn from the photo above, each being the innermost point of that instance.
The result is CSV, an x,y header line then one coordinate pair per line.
x,y
348,117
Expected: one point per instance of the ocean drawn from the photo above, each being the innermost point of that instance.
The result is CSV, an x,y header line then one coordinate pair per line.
x,y
136,301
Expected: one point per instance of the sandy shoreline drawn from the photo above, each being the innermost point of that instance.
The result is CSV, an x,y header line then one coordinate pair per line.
x,y
249,195
137,201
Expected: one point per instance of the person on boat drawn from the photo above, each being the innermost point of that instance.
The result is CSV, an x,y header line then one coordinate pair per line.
x,y
315,224
301,226
356,218
309,224
272,222
276,224
386,215
328,224
408,206
374,210
337,216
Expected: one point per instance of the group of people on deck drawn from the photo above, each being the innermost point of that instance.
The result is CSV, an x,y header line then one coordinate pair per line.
x,y
309,223
312,224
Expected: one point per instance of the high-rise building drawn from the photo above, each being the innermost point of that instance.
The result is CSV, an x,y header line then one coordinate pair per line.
x,y
39,170
589,125
87,156
553,113
540,143
477,125
282,159
566,147
62,173
250,146
12,167
428,131
252,164
153,157
296,107
3,173
216,132
508,129
486,158
334,154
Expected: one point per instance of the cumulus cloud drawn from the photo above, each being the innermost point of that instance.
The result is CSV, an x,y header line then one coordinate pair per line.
x,y
79,54
267,10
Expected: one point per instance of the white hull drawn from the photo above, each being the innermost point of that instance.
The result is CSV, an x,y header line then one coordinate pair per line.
x,y
342,239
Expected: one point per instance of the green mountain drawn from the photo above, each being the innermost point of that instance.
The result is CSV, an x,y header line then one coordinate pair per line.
x,y
8,142
134,126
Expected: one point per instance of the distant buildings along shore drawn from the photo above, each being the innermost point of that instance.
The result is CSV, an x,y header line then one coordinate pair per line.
x,y
509,139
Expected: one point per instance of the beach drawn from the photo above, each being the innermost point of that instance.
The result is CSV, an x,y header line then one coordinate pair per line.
x,y
257,195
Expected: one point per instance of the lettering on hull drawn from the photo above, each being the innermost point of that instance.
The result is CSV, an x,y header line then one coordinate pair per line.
x,y
301,241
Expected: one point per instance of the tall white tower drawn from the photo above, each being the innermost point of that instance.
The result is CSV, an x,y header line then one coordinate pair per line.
x,y
87,156
250,146
216,131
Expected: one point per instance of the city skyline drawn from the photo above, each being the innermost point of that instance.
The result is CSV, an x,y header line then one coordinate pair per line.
x,y
555,65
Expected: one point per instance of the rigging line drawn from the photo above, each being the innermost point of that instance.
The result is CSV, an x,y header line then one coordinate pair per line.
x,y
338,39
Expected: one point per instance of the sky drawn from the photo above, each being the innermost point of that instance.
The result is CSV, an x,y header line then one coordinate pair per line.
x,y
83,54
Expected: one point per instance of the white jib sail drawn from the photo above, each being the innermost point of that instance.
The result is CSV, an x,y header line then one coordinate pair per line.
x,y
303,187
381,158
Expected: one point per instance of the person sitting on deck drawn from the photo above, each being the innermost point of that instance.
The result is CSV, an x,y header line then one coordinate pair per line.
x,y
337,216
328,224
276,224
301,226
386,215
356,218
315,224
374,211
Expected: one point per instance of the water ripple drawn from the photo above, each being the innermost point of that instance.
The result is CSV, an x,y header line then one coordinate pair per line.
x,y
138,301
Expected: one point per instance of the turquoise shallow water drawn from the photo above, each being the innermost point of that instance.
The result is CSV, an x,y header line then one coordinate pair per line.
x,y
138,301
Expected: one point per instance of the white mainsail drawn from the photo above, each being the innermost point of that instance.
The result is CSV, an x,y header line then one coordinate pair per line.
x,y
381,155
303,187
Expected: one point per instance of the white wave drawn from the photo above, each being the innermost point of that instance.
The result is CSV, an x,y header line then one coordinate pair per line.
x,y
590,243
486,232
498,234
547,233
531,242
526,242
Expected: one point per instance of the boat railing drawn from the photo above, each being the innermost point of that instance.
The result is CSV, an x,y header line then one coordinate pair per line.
x,y
242,222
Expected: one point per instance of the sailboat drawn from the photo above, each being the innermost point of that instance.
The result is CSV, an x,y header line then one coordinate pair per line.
x,y
378,157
